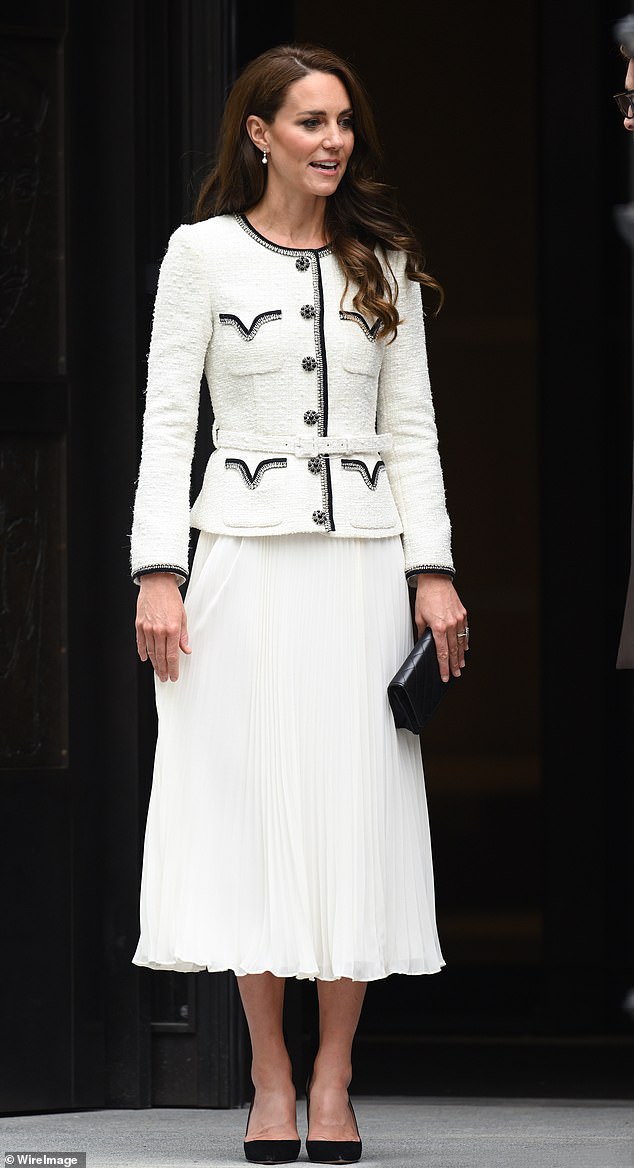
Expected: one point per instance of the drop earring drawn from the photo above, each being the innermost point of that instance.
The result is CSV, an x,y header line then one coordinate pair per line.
x,y
264,158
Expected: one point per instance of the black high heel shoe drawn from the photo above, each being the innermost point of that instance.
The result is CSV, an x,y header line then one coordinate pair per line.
x,y
269,1151
333,1151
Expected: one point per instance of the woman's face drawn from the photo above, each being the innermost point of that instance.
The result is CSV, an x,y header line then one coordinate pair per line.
x,y
629,84
311,139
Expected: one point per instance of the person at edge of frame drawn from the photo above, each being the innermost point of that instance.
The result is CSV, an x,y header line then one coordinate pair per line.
x,y
625,655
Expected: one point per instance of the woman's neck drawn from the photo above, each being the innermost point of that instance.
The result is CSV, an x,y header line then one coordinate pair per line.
x,y
290,222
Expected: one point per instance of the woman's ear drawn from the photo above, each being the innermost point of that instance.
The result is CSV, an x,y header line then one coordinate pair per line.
x,y
256,129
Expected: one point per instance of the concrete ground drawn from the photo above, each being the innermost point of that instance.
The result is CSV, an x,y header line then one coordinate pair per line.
x,y
397,1133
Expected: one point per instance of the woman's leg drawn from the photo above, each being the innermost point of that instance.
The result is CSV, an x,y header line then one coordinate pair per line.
x,y
340,1004
273,1114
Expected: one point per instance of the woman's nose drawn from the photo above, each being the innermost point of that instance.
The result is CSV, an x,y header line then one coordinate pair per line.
x,y
333,136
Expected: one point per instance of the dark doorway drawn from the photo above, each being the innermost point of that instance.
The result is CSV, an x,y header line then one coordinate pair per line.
x,y
529,767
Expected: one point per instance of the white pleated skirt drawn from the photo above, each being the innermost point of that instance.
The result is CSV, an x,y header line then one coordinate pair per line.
x,y
287,828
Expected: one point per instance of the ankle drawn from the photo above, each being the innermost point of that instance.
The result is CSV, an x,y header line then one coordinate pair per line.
x,y
331,1072
272,1076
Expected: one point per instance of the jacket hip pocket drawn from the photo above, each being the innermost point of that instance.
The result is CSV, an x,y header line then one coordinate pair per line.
x,y
370,503
253,494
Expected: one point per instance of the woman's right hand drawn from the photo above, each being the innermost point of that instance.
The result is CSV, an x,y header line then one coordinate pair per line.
x,y
161,624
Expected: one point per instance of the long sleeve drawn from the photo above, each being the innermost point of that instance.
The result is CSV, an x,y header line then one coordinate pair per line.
x,y
181,332
405,409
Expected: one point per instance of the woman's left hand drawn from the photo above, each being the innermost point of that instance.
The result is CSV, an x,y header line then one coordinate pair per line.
x,y
439,606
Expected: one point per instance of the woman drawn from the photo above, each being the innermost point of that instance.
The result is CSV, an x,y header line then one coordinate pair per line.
x,y
278,764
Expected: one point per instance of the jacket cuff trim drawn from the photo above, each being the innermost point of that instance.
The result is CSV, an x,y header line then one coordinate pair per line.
x,y
152,569
429,569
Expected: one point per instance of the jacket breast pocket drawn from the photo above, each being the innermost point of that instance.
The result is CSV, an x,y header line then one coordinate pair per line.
x,y
362,351
253,494
252,344
371,505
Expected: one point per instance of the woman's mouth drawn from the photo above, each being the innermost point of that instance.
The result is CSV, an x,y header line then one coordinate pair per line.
x,y
325,166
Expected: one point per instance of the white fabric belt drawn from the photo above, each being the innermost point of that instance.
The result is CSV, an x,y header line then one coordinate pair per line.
x,y
300,445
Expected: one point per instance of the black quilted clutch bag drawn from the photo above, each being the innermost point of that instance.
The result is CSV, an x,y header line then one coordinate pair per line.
x,y
416,689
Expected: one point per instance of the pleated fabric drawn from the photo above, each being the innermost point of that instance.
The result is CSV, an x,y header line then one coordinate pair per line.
x,y
287,828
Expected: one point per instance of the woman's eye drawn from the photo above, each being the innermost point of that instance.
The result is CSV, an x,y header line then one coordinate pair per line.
x,y
313,123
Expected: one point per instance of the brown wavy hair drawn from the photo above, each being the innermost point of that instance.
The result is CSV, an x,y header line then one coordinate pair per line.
x,y
361,216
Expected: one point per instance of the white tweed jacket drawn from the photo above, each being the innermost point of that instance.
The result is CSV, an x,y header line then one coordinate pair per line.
x,y
320,426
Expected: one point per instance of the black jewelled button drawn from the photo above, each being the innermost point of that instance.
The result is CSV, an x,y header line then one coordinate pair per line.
x,y
308,364
319,517
301,263
314,465
311,417
307,311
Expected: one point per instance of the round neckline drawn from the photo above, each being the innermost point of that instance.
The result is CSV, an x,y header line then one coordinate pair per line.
x,y
247,226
